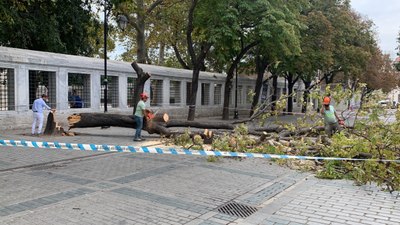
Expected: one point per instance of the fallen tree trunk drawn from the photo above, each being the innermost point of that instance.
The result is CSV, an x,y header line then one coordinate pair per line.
x,y
160,123
275,129
286,133
196,124
84,120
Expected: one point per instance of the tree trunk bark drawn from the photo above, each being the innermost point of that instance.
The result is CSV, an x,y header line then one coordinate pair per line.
x,y
197,61
83,120
302,131
230,74
205,125
193,94
227,91
161,58
261,66
275,92
291,82
140,36
306,93
142,77
52,127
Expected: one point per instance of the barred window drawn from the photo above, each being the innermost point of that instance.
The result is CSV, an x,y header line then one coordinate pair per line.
x,y
205,94
249,94
42,82
231,97
7,89
131,88
79,90
279,92
156,92
175,92
217,94
240,94
112,91
188,92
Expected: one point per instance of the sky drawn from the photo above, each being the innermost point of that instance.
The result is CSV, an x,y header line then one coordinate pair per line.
x,y
386,16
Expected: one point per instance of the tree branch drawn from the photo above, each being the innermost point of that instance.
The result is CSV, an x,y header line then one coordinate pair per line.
x,y
189,31
179,57
153,6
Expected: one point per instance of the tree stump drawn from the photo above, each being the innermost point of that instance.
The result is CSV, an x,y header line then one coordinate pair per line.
x,y
52,127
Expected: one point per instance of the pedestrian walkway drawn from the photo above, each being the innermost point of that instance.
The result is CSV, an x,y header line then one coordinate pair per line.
x,y
43,186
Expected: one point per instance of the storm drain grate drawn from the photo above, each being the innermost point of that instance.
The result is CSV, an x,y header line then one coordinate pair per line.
x,y
237,209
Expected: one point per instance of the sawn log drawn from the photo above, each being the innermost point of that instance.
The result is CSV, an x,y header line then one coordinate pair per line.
x,y
150,125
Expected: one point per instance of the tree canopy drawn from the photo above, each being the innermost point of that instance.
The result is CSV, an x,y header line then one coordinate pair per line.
x,y
55,26
297,40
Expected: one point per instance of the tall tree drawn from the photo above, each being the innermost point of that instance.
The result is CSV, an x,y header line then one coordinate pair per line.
x,y
353,41
243,32
56,26
380,74
283,27
139,13
202,46
140,16
206,23
316,55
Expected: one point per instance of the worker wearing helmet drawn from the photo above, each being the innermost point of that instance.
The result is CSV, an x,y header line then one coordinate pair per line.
x,y
331,118
139,114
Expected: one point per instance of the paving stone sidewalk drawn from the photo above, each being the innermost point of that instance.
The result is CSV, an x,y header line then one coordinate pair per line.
x,y
40,186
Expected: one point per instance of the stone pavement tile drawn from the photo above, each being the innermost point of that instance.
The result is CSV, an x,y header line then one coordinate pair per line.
x,y
221,185
293,217
18,187
61,177
18,157
319,220
301,200
278,220
378,221
37,203
295,223
209,222
195,222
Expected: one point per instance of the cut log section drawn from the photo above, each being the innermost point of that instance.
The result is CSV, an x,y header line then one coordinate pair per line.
x,y
83,120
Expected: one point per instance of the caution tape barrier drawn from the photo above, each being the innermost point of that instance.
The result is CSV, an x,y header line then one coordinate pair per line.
x,y
172,151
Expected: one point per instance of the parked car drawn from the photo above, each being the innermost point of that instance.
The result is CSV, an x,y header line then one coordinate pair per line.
x,y
384,103
388,104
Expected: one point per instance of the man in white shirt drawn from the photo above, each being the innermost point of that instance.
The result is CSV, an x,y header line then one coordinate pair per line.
x,y
37,107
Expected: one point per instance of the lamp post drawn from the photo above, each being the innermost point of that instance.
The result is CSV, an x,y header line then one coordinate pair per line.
x,y
122,23
105,55
236,113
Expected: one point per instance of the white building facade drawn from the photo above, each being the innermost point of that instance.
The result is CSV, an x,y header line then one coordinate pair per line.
x,y
26,74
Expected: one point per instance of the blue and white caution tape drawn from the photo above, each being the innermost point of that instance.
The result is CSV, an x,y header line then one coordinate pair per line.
x,y
172,151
